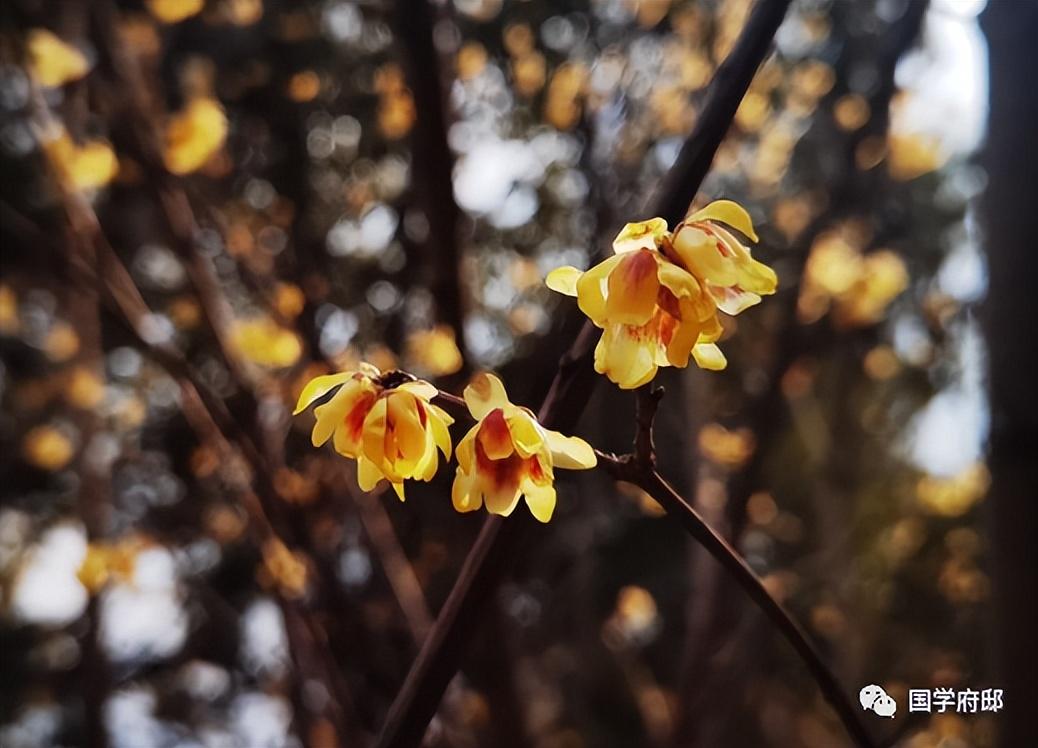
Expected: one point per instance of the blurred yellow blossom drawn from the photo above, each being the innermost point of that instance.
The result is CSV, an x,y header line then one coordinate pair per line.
x,y
48,448
912,155
954,496
61,343
262,341
53,62
508,455
284,568
108,561
174,11
562,103
89,166
193,135
727,448
85,388
289,300
434,352
9,321
392,431
653,312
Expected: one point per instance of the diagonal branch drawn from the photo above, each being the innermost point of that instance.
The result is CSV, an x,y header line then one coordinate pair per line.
x,y
570,391
628,469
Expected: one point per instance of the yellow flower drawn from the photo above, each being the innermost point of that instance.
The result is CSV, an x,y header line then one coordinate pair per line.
x,y
90,166
174,11
392,432
53,62
193,135
718,259
263,341
508,454
653,312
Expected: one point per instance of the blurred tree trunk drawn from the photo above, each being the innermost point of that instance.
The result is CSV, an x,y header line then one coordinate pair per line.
x,y
1011,223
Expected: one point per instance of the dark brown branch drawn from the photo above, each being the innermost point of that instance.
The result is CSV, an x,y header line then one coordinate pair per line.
x,y
627,468
727,88
570,391
433,163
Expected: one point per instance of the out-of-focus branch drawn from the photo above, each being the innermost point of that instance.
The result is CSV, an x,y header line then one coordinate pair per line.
x,y
637,468
432,162
569,393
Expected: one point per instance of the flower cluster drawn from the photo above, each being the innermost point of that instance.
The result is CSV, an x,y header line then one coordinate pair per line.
x,y
656,299
394,432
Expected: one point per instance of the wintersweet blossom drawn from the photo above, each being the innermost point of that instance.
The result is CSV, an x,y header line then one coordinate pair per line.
x,y
393,432
508,455
709,251
653,311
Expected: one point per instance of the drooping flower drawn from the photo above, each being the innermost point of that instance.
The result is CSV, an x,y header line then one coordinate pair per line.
x,y
508,455
653,311
718,259
393,432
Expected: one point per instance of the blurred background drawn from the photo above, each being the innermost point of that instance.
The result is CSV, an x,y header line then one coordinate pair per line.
x,y
204,203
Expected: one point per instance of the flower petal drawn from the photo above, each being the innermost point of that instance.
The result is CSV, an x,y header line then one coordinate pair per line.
x,y
564,280
633,287
399,489
700,255
729,212
494,435
526,434
317,388
420,389
678,281
732,300
466,450
501,498
625,358
540,499
570,452
464,495
440,434
330,415
484,393
591,290
709,356
402,411
368,474
640,235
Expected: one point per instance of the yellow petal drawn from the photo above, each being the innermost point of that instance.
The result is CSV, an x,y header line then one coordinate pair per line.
x,y
330,415
526,434
699,254
753,276
420,388
484,393
463,497
467,450
591,290
633,287
678,281
494,436
570,452
368,475
640,235
732,300
174,11
540,499
402,412
726,211
683,336
501,498
564,280
626,361
440,413
440,434
193,135
52,62
399,488
374,431
317,388
709,356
